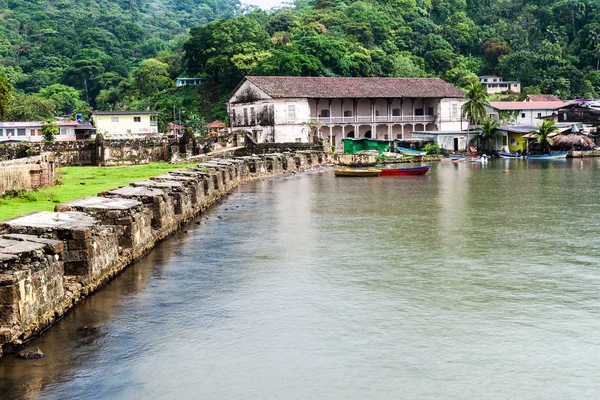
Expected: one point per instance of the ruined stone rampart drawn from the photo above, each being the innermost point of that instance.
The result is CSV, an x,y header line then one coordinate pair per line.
x,y
49,261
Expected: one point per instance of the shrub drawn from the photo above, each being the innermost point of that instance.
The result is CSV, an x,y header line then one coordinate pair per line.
x,y
431,148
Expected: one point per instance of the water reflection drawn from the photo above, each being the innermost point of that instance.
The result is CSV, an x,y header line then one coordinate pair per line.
x,y
468,282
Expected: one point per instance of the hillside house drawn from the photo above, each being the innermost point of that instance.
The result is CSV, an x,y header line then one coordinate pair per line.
x,y
179,82
279,108
496,84
124,124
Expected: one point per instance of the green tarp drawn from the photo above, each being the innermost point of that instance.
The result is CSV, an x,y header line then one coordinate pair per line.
x,y
352,146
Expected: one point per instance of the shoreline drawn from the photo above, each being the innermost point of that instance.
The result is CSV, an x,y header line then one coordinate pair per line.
x,y
51,261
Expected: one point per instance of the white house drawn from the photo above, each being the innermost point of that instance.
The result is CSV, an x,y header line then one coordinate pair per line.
x,y
526,112
496,84
179,82
278,108
31,131
122,124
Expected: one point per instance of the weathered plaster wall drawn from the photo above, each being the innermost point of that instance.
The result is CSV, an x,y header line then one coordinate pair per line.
x,y
27,173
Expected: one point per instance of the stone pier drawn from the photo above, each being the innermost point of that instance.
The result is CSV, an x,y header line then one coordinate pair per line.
x,y
49,261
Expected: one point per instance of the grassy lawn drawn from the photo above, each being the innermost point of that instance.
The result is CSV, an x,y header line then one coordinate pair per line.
x,y
79,182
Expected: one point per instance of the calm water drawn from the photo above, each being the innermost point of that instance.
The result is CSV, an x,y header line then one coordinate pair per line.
x,y
465,283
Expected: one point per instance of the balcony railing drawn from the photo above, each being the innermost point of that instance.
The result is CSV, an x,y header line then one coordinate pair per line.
x,y
379,118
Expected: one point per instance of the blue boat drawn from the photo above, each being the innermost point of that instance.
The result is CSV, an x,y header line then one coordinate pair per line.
x,y
503,154
562,154
411,152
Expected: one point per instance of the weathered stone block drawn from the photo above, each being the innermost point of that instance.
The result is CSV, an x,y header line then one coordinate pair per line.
x,y
156,199
73,225
131,217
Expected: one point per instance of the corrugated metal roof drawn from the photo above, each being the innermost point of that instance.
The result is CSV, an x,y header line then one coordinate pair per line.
x,y
528,105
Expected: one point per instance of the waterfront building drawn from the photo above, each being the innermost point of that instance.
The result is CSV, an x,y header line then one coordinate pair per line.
x,y
526,112
125,124
496,84
284,109
448,140
512,136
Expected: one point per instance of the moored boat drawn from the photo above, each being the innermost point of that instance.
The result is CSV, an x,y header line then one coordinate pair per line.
x,y
350,172
411,152
457,158
562,154
419,170
503,154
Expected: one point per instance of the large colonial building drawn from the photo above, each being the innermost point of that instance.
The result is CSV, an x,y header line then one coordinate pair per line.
x,y
280,108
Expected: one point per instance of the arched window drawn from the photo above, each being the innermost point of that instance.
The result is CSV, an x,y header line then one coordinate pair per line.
x,y
350,134
368,134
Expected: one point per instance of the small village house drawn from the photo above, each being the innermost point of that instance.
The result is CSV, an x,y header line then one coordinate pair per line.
x,y
283,108
31,131
514,137
179,82
541,97
527,112
216,128
122,124
448,140
174,129
496,84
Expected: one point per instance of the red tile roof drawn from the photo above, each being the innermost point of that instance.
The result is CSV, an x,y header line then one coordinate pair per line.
x,y
327,88
528,105
542,97
216,124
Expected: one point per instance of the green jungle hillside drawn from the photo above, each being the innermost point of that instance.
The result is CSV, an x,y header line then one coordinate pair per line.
x,y
63,56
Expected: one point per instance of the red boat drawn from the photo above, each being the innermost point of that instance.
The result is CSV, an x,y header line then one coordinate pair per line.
x,y
420,170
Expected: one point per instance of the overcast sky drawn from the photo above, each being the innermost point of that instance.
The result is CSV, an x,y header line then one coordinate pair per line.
x,y
264,4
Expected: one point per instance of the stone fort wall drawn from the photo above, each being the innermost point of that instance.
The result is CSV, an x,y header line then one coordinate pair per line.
x,y
49,261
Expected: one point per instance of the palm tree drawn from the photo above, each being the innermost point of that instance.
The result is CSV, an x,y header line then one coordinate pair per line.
x,y
488,132
544,131
477,99
314,126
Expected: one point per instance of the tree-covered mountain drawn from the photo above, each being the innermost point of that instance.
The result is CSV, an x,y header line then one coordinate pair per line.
x,y
551,46
92,45
119,54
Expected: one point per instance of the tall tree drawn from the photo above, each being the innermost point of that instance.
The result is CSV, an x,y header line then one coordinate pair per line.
x,y
5,95
474,109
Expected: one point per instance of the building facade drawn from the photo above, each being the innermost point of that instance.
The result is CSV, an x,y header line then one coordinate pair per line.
x,y
524,112
31,131
287,109
125,123
179,82
496,84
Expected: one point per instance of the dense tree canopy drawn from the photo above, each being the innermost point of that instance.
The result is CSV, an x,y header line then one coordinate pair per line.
x,y
125,54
